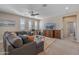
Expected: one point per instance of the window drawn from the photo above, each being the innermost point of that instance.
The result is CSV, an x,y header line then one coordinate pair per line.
x,y
36,25
33,25
30,25
22,24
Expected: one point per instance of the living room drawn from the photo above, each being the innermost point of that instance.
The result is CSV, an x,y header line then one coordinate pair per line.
x,y
51,23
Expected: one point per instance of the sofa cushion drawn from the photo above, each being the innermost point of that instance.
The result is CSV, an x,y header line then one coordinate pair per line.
x,y
30,38
17,43
21,33
15,40
24,39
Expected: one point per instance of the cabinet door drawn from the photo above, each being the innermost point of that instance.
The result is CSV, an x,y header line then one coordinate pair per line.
x,y
51,33
57,34
47,33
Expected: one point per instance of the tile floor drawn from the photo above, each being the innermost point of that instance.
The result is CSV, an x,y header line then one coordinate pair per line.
x,y
65,46
1,48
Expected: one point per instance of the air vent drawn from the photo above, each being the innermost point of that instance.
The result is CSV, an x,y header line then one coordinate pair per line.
x,y
44,5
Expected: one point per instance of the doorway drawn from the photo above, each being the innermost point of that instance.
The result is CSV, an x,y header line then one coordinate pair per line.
x,y
69,27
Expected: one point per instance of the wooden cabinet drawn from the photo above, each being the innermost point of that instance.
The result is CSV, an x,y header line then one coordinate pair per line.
x,y
52,33
46,33
56,33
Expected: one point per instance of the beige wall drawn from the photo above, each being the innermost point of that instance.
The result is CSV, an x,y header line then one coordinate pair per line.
x,y
5,16
77,30
59,20
66,21
77,24
16,18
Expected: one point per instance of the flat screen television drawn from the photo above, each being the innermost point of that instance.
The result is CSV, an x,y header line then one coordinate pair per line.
x,y
50,25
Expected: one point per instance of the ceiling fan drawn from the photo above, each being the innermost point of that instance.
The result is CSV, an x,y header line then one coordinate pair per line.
x,y
34,13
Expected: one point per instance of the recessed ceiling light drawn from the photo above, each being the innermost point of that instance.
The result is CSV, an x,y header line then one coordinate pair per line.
x,y
66,8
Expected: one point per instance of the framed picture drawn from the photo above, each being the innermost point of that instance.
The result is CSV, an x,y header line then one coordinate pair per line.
x,y
4,23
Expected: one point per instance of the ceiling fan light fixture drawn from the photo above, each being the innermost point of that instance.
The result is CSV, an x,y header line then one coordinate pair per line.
x,y
34,13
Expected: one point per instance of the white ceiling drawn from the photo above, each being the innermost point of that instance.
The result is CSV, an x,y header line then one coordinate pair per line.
x,y
50,10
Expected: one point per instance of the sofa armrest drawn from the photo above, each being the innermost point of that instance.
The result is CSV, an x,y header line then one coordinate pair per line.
x,y
27,49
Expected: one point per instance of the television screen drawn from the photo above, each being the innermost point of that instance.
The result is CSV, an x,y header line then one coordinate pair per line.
x,y
50,25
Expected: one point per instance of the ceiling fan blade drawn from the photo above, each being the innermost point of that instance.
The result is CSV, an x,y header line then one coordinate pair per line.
x,y
37,14
34,14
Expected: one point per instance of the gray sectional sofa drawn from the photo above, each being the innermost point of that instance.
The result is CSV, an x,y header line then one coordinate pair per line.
x,y
27,48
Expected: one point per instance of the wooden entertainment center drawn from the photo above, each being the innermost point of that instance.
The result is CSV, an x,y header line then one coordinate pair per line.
x,y
52,33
